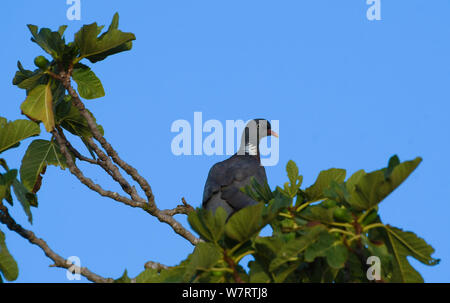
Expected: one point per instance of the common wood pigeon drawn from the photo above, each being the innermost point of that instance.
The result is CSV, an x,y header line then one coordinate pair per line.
x,y
226,178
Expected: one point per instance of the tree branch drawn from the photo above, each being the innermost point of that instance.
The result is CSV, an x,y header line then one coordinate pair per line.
x,y
59,261
184,209
88,182
149,206
66,81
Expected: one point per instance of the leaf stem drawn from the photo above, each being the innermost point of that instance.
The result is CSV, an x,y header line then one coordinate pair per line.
x,y
375,225
337,230
239,258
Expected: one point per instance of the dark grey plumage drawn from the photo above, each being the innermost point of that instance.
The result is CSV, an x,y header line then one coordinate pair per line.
x,y
226,178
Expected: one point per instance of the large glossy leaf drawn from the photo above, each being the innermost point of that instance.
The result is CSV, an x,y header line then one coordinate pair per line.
x,y
204,257
89,86
22,74
337,255
354,179
379,248
403,272
8,266
6,180
38,106
73,121
257,273
320,247
318,213
49,41
13,132
417,247
245,223
40,153
208,225
27,79
25,197
296,246
373,187
97,48
316,191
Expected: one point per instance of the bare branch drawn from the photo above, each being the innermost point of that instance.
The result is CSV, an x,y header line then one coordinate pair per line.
x,y
88,182
184,209
106,146
75,152
114,172
59,261
150,207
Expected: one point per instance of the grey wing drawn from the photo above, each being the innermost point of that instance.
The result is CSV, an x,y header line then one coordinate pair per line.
x,y
227,178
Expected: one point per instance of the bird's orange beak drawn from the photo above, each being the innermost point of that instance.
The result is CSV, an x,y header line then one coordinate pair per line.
x,y
272,133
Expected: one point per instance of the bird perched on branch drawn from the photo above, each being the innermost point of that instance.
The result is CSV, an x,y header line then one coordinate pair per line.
x,y
226,178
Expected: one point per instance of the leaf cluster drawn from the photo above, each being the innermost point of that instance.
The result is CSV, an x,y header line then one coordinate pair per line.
x,y
325,232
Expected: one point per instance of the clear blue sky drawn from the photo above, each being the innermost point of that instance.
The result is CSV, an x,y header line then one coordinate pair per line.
x,y
348,93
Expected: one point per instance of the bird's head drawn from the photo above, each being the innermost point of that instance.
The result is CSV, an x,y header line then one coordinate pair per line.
x,y
254,131
263,128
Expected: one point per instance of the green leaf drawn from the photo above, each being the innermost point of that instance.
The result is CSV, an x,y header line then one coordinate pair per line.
x,y
13,132
25,197
258,192
378,248
316,191
6,180
74,122
98,48
276,205
150,275
282,275
39,154
49,41
403,244
172,275
354,179
295,181
318,213
337,191
89,86
295,247
208,225
3,163
8,266
292,171
124,278
268,247
62,29
319,248
373,187
245,223
393,162
337,255
27,79
257,273
204,257
38,106
417,247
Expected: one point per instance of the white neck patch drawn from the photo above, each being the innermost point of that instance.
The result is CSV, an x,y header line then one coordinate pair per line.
x,y
251,149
